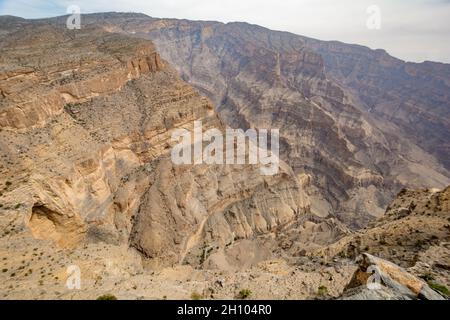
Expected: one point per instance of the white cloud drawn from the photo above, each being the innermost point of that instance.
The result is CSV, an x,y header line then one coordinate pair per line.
x,y
414,30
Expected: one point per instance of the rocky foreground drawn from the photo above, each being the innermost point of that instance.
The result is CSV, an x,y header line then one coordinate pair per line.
x,y
86,179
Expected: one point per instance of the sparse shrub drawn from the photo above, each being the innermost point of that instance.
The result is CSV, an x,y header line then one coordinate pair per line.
x,y
440,288
196,296
8,183
107,297
17,206
244,294
322,290
4,270
428,277
420,243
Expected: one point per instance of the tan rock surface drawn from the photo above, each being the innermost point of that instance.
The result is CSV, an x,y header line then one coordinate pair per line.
x,y
86,179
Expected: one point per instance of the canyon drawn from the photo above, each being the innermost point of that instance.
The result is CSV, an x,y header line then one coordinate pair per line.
x,y
86,124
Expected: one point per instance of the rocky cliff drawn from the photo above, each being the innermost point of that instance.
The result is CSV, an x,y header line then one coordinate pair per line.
x,y
343,123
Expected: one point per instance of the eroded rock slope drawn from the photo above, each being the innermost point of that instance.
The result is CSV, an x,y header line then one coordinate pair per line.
x,y
86,122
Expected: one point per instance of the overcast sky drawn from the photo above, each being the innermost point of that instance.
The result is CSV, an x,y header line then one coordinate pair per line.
x,y
412,30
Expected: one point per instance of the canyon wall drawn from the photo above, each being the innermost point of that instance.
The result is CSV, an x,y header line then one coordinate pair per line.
x,y
86,132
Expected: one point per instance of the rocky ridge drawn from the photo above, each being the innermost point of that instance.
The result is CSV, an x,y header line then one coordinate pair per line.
x,y
356,146
88,158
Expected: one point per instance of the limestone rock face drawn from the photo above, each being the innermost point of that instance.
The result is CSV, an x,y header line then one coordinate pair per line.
x,y
359,123
71,175
86,141
39,91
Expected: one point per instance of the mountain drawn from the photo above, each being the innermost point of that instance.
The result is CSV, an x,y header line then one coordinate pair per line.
x,y
86,120
86,137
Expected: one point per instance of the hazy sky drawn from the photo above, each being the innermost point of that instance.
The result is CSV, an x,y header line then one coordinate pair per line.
x,y
413,30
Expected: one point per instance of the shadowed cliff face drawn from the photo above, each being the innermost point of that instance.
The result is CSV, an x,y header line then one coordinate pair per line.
x,y
413,96
357,123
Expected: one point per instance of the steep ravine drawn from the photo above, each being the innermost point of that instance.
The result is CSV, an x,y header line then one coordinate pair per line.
x,y
335,127
87,182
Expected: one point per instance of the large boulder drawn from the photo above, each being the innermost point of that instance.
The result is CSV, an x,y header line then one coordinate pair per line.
x,y
378,279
